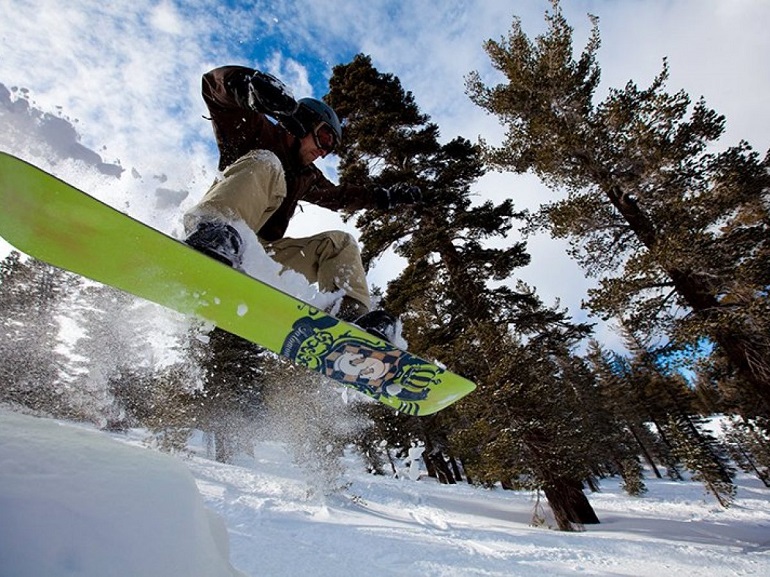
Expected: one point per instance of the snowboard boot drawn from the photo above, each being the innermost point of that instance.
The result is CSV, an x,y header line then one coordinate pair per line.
x,y
219,241
350,309
379,323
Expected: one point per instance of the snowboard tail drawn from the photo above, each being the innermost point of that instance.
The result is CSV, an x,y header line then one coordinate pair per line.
x,y
55,222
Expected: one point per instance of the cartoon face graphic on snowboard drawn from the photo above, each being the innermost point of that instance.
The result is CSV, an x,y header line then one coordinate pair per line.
x,y
366,363
357,364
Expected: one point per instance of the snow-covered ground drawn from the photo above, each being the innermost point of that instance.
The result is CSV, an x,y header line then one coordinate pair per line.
x,y
76,501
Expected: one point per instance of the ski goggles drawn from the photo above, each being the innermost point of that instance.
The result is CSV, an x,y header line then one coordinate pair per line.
x,y
324,137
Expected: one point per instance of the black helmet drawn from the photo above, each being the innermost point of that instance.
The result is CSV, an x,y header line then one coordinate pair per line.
x,y
312,111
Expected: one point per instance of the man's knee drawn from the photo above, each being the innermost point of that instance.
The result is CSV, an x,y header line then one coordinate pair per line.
x,y
342,240
256,160
252,189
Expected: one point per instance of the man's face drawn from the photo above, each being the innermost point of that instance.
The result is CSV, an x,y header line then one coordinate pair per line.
x,y
309,151
317,143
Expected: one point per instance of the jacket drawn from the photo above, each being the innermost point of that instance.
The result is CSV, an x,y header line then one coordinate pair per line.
x,y
239,129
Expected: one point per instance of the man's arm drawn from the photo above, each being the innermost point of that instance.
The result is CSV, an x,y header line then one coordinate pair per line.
x,y
238,114
227,88
339,197
351,198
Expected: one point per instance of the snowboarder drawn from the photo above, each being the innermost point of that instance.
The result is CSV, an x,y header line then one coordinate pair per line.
x,y
267,169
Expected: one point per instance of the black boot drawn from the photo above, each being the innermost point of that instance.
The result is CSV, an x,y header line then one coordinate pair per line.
x,y
350,309
219,241
379,323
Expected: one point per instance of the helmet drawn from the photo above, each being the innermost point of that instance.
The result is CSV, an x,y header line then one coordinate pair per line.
x,y
311,111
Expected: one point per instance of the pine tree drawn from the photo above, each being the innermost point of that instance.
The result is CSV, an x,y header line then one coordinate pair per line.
x,y
231,397
160,399
113,339
450,307
687,228
32,369
625,403
749,446
134,394
671,406
387,437
529,429
704,456
615,440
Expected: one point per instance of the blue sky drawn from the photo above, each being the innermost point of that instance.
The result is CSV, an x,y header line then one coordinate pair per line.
x,y
126,75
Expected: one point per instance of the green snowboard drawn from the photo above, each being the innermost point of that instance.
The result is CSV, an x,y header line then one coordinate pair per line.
x,y
59,224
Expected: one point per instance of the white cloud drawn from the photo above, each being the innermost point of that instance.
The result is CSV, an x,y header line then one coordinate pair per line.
x,y
165,18
292,72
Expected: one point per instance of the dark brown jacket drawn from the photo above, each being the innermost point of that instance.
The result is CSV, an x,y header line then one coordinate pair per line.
x,y
239,129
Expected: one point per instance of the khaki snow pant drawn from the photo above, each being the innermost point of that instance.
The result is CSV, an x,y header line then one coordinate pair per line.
x,y
252,189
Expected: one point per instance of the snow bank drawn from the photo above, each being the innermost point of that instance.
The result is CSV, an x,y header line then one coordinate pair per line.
x,y
76,502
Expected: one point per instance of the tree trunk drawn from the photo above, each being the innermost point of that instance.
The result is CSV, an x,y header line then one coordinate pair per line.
x,y
569,504
223,451
737,346
456,468
443,473
592,484
646,454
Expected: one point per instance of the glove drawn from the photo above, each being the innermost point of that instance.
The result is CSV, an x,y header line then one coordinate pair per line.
x,y
270,95
400,193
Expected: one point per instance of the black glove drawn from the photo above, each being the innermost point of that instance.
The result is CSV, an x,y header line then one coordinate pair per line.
x,y
269,95
400,193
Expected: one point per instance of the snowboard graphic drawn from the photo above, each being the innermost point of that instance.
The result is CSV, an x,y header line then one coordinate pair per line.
x,y
50,220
